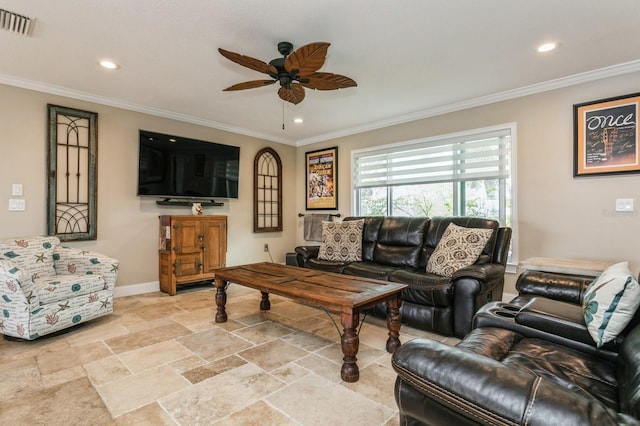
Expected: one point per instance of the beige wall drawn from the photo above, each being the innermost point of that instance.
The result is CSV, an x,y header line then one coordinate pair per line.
x,y
127,224
558,215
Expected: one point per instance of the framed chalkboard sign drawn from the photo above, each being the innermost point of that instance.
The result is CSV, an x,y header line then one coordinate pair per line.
x,y
606,136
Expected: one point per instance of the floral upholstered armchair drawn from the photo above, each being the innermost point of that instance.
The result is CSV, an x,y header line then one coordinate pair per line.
x,y
45,287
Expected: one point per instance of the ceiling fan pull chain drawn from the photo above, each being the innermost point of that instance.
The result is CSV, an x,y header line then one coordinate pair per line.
x,y
282,115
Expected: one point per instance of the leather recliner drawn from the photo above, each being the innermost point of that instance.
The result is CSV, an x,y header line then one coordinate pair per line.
x,y
526,366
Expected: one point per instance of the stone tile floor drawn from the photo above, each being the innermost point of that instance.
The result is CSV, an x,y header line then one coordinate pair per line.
x,y
162,360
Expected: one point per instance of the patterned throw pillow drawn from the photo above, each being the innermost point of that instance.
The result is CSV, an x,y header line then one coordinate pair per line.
x,y
342,241
459,247
610,302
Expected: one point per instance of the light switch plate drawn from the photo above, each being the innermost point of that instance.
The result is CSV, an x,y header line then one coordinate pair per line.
x,y
624,204
16,189
17,205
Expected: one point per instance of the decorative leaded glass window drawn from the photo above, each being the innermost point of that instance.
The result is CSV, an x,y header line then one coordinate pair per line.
x,y
267,198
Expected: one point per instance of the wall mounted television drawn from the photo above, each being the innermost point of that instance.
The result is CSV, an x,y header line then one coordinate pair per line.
x,y
176,167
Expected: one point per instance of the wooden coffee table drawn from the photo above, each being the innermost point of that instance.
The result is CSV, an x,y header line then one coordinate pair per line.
x,y
347,295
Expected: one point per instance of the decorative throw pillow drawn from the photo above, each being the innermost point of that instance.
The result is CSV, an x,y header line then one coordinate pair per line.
x,y
610,302
459,247
342,241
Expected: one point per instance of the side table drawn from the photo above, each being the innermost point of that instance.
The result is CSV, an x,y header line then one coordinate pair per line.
x,y
591,268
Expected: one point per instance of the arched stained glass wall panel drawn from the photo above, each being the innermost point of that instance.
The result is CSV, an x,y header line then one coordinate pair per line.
x,y
267,183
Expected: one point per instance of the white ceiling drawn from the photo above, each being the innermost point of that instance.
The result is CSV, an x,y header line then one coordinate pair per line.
x,y
410,58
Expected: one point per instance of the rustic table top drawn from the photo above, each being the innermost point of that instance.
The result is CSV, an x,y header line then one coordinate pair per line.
x,y
337,292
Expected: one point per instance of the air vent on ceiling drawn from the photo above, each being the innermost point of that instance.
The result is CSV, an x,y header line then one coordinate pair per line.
x,y
13,22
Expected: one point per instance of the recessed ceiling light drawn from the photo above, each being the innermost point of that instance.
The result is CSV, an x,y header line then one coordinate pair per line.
x,y
298,120
110,65
548,47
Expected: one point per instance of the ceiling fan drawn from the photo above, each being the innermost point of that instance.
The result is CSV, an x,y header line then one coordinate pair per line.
x,y
293,71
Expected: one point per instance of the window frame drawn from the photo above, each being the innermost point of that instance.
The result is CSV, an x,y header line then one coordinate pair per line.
x,y
454,137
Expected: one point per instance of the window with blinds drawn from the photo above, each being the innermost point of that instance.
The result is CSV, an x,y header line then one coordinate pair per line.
x,y
463,174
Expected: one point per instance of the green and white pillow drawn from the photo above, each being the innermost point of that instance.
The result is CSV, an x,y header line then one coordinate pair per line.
x,y
342,241
610,302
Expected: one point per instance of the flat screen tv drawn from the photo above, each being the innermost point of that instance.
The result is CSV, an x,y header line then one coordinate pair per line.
x,y
176,167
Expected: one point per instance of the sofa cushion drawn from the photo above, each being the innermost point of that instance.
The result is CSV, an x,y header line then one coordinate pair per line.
x,y
33,254
62,287
424,288
341,241
400,241
610,302
459,247
370,270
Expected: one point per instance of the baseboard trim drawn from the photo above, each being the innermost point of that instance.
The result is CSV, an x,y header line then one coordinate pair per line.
x,y
134,289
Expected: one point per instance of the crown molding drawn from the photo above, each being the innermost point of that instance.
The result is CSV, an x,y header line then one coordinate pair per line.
x,y
585,77
559,83
130,106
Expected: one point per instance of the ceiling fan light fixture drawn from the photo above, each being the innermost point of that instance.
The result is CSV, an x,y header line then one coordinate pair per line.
x,y
295,70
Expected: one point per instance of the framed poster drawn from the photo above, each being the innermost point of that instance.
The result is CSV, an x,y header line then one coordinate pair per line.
x,y
321,179
606,136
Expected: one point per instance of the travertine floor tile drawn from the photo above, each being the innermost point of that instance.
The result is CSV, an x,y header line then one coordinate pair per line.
x,y
144,338
213,344
149,415
71,403
332,404
153,356
214,368
257,414
220,396
135,391
263,332
272,355
106,370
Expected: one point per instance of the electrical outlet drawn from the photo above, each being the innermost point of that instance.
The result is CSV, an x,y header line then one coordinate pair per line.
x,y
266,247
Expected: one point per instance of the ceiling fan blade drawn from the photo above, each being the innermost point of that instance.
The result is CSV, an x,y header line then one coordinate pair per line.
x,y
308,58
249,85
326,81
249,62
295,95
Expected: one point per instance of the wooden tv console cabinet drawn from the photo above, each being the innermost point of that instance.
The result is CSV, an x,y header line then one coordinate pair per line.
x,y
191,249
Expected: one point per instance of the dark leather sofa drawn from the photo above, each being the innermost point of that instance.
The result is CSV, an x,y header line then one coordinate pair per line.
x,y
397,249
523,365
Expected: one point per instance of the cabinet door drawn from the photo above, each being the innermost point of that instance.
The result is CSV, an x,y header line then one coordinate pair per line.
x,y
187,236
215,244
188,264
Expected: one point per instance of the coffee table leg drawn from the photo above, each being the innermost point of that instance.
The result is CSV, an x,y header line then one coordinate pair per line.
x,y
350,343
265,305
393,323
221,299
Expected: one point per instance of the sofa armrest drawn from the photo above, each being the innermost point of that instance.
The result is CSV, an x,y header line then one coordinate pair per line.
x,y
18,297
68,261
306,253
562,287
488,272
486,391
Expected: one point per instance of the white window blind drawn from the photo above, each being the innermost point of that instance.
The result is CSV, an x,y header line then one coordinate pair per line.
x,y
479,156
